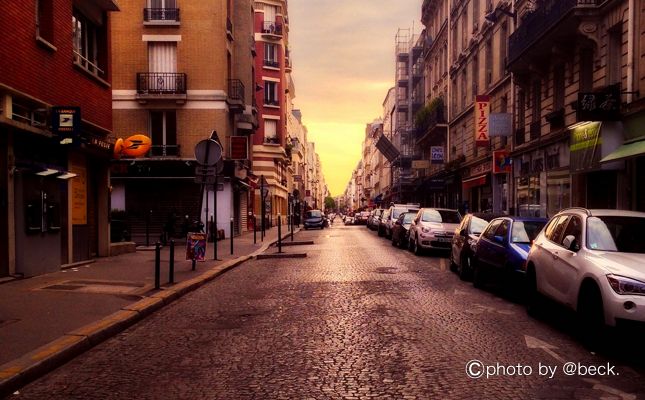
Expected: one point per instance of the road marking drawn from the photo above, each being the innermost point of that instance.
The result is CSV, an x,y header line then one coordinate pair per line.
x,y
534,343
479,309
442,264
460,292
608,389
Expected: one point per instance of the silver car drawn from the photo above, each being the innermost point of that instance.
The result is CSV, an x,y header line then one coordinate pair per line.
x,y
433,228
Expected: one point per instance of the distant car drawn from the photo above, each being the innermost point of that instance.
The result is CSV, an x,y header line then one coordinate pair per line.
x,y
592,261
349,220
464,241
395,211
314,219
375,219
401,229
433,228
502,248
360,218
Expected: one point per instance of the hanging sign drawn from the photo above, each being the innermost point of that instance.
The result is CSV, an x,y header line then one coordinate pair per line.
x,y
502,162
436,154
66,123
482,110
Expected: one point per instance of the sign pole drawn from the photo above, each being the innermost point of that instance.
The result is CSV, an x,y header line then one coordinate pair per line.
x,y
215,220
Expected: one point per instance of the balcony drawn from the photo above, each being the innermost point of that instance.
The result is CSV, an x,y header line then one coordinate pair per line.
x,y
431,124
550,23
164,150
161,85
272,29
161,16
271,63
235,96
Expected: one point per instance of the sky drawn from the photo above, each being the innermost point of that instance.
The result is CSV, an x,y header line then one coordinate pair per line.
x,y
343,65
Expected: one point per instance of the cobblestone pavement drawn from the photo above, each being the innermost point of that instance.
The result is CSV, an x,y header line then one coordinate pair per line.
x,y
357,319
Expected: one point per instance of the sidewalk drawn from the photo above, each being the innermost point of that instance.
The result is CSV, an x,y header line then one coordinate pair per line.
x,y
47,320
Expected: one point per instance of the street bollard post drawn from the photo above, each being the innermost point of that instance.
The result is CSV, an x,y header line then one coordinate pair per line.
x,y
279,234
255,230
148,228
171,262
157,264
292,227
232,235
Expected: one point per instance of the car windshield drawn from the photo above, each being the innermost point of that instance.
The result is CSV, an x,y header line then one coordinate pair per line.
x,y
313,214
526,231
616,233
446,216
396,212
477,225
407,218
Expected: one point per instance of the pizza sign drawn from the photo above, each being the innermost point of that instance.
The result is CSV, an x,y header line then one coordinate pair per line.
x,y
482,111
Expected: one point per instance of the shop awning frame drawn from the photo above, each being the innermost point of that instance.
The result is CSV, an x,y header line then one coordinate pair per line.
x,y
627,150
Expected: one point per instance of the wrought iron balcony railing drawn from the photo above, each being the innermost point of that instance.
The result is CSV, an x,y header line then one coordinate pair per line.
x,y
161,83
272,27
236,90
271,102
161,14
539,22
271,63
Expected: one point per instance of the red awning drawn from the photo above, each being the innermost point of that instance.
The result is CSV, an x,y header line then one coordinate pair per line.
x,y
473,182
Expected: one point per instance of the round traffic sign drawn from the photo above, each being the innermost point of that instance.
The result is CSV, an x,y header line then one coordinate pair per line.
x,y
208,152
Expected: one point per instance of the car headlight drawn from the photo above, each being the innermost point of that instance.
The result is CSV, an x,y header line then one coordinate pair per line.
x,y
623,285
426,230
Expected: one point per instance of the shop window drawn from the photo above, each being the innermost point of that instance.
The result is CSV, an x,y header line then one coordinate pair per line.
x,y
558,191
531,196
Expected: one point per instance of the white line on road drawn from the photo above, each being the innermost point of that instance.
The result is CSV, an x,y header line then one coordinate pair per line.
x,y
534,343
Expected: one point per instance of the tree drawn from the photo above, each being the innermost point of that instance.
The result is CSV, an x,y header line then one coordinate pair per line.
x,y
330,204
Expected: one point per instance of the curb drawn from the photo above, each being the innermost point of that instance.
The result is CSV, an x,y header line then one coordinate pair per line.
x,y
281,255
302,243
31,366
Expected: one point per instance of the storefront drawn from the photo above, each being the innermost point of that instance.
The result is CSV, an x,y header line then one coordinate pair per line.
x,y
476,188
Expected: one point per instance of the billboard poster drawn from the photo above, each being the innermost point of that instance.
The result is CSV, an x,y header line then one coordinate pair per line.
x,y
196,246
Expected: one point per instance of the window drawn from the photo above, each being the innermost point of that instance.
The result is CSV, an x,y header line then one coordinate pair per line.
x,y
270,131
526,231
163,132
475,14
271,93
45,20
502,230
90,44
503,46
489,63
616,233
574,228
271,55
558,87
475,76
490,231
614,54
162,10
554,231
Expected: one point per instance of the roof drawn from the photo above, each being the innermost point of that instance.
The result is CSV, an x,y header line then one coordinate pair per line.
x,y
604,212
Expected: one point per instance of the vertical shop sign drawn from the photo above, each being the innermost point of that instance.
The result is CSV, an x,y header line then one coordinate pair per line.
x,y
482,111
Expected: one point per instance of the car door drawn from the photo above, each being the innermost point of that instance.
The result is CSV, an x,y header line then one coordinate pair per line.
x,y
565,264
485,244
498,249
549,249
459,241
415,226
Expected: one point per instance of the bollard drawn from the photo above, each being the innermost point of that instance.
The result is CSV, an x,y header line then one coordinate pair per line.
x,y
279,234
255,230
292,228
171,262
157,264
194,263
232,235
215,240
148,228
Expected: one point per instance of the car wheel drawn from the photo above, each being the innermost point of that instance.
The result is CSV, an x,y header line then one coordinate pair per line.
x,y
591,315
465,268
453,265
393,241
533,297
478,274
417,248
403,243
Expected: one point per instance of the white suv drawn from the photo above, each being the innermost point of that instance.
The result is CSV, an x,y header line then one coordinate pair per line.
x,y
592,261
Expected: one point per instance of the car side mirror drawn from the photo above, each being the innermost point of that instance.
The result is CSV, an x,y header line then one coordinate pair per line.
x,y
499,239
570,243
463,233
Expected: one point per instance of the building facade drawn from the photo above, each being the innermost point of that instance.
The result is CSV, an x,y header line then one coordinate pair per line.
x,y
55,119
180,78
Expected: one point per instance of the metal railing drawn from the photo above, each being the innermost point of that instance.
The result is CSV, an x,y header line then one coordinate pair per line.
x,y
164,150
272,27
161,83
236,90
161,14
271,63
537,23
271,102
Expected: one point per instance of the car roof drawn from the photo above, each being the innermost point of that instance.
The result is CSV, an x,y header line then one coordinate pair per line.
x,y
603,212
488,216
438,209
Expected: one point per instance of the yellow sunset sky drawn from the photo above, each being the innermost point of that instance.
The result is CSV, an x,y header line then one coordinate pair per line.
x,y
343,65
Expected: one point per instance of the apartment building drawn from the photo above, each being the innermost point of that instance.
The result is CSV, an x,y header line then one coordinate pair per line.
x,y
272,64
180,78
55,119
579,138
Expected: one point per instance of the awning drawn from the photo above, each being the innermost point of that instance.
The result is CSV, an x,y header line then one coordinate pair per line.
x,y
473,182
378,198
626,151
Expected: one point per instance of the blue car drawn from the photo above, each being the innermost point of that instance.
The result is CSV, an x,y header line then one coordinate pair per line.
x,y
502,249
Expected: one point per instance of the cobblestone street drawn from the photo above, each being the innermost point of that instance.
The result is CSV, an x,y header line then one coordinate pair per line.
x,y
356,319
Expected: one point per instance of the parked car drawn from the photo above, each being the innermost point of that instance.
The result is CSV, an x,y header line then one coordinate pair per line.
x,y
314,219
433,228
502,248
382,222
592,261
361,218
375,219
349,220
464,240
401,229
395,211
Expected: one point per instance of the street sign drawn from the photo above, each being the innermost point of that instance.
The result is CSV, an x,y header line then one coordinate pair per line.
x,y
201,170
208,152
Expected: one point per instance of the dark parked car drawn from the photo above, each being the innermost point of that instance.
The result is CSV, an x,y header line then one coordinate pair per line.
x,y
375,219
464,241
314,219
382,221
401,229
503,247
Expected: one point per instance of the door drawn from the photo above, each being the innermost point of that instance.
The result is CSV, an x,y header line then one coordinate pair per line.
x,y
549,251
486,244
498,252
565,264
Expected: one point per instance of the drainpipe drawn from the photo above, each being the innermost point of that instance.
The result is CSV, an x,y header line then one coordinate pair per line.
x,y
631,35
